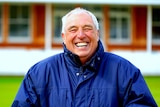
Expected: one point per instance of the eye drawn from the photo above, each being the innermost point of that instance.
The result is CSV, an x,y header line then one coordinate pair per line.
x,y
73,29
87,28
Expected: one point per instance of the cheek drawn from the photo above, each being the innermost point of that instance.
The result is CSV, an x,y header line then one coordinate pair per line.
x,y
69,39
72,37
94,36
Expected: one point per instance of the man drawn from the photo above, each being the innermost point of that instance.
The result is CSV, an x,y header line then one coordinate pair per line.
x,y
83,75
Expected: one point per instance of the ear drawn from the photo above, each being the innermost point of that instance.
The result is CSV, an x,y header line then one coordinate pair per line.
x,y
63,37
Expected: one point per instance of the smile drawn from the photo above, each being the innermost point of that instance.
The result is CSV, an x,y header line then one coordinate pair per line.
x,y
81,44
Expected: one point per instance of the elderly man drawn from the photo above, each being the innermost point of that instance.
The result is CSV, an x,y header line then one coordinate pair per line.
x,y
83,75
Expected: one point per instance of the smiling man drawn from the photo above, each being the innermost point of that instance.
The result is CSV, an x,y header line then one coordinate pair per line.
x,y
83,75
80,35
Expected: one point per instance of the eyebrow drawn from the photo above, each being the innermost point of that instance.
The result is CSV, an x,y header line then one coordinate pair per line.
x,y
71,27
77,27
88,26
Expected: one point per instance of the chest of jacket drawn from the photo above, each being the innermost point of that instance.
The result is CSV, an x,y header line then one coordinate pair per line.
x,y
78,87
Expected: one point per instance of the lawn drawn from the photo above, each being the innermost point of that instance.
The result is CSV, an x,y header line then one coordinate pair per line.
x,y
8,89
9,86
153,83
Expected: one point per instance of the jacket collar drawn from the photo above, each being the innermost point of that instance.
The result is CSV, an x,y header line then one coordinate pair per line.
x,y
92,63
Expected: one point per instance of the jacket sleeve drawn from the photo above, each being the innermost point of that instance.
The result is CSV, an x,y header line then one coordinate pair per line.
x,y
133,88
26,96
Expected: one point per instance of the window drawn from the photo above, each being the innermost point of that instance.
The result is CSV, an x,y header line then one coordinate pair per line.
x,y
119,18
0,23
19,23
58,13
156,25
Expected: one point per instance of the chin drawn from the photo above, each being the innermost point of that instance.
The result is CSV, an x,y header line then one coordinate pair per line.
x,y
83,54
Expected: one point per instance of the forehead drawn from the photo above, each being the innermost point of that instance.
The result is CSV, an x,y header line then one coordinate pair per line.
x,y
80,18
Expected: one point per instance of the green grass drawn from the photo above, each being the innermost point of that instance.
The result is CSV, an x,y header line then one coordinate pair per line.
x,y
9,86
8,89
153,83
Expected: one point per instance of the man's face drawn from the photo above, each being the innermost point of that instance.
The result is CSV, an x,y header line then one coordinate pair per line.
x,y
81,36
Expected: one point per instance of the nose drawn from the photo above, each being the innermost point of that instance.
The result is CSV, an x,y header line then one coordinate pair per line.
x,y
81,34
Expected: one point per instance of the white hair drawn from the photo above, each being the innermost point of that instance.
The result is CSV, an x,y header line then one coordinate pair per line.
x,y
79,10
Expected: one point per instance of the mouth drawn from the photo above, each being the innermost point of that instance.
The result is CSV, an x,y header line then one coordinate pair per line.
x,y
82,44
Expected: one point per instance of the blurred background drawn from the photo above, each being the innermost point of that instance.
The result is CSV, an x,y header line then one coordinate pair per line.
x,y
30,30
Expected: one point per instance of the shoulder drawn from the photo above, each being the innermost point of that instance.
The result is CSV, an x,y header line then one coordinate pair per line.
x,y
124,69
50,60
46,64
42,70
119,61
111,57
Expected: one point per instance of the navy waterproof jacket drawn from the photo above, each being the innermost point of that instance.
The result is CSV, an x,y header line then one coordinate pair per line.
x,y
106,80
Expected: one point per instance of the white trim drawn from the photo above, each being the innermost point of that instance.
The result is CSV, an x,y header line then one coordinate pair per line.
x,y
48,27
149,29
134,2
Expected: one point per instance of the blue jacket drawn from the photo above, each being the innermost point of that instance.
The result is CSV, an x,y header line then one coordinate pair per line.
x,y
106,80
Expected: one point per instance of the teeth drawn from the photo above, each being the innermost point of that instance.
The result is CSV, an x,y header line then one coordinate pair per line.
x,y
81,44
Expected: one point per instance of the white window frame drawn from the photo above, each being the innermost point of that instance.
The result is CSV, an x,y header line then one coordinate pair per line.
x,y
21,39
118,15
